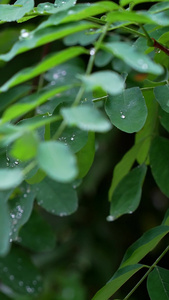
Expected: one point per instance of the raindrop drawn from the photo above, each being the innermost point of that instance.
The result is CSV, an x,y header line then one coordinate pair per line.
x,y
29,289
16,162
7,158
25,195
70,12
130,211
72,138
63,214
157,50
11,277
144,66
7,164
55,76
53,82
92,51
110,218
63,73
122,115
53,211
34,282
20,283
24,34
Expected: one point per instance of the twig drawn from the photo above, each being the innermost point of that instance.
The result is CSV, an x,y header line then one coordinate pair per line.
x,y
161,47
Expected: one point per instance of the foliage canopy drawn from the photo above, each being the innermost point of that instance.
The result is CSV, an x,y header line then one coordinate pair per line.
x,y
70,70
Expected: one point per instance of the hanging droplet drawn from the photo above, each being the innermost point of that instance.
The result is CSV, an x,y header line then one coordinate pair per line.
x,y
110,218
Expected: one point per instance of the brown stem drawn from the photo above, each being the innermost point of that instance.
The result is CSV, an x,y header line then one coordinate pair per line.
x,y
161,47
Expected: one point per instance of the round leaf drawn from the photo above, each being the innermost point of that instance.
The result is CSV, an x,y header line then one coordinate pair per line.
x,y
57,198
127,111
86,117
57,161
10,178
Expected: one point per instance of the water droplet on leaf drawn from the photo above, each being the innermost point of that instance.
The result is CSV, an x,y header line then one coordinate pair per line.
x,y
110,218
24,34
92,51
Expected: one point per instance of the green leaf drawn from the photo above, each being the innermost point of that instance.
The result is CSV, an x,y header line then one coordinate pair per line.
x,y
13,12
127,111
159,162
161,94
37,177
123,167
158,7
20,210
65,74
72,137
57,198
120,277
102,58
57,161
5,224
145,135
158,284
36,234
83,38
85,156
10,178
131,16
144,245
49,62
134,2
44,36
12,95
127,195
25,147
29,103
109,81
58,6
19,274
164,118
86,118
135,59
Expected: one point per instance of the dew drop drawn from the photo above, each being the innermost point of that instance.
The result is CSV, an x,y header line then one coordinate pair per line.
x,y
55,76
92,51
29,289
11,277
20,283
16,162
53,82
130,212
24,34
144,66
70,12
63,214
110,218
63,73
123,117
72,138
